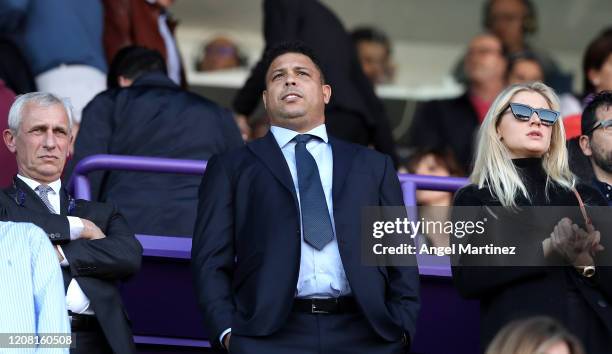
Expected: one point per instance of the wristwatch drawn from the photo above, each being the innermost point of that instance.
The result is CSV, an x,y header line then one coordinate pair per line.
x,y
586,271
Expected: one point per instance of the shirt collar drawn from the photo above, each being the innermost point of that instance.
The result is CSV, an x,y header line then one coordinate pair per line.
x,y
55,185
284,136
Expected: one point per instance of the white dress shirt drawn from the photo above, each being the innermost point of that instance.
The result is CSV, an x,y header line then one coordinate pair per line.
x,y
173,58
76,300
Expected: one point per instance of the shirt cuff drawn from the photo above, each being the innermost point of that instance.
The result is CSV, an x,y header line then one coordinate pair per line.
x,y
64,262
76,227
222,336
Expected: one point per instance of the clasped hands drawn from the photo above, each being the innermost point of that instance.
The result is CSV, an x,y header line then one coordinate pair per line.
x,y
574,244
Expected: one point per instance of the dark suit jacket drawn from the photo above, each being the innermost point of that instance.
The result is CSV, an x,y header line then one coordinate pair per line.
x,y
447,124
354,113
248,212
97,264
153,117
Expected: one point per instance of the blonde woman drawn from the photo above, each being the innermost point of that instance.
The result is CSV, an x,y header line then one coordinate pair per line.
x,y
521,162
536,335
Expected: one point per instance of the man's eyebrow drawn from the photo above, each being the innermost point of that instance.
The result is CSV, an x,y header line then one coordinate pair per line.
x,y
39,126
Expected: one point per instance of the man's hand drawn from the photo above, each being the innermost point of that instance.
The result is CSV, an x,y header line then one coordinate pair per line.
x,y
226,341
91,231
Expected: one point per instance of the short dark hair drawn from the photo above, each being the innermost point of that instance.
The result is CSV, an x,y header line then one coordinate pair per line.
x,y
595,56
133,61
371,34
589,116
530,21
526,55
291,47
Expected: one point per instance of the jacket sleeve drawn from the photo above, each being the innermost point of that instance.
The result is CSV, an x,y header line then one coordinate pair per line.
x,y
212,252
472,277
57,227
403,286
117,256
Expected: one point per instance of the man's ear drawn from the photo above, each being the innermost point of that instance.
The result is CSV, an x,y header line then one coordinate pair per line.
x,y
327,91
263,96
594,77
9,140
585,145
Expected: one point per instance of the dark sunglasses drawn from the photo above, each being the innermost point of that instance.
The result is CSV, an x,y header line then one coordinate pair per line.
x,y
524,112
605,124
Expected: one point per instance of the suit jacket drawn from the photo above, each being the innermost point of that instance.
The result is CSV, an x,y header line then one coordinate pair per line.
x,y
153,117
97,264
248,212
134,22
354,113
449,124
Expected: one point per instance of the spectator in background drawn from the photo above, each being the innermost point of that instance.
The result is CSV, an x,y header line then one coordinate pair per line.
x,y
149,115
220,53
452,123
7,160
523,68
432,204
513,21
14,68
61,41
355,113
32,290
596,141
597,73
374,51
536,335
145,23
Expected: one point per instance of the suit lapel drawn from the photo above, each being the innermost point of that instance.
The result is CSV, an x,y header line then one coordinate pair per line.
x,y
64,200
268,151
343,154
31,200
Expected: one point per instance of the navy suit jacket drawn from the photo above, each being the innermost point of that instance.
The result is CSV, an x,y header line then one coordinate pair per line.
x,y
246,246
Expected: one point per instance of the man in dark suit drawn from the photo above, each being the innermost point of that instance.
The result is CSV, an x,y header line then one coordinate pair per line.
x,y
354,113
149,115
276,251
39,135
451,124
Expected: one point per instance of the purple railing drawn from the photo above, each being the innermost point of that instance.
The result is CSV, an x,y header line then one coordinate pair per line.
x,y
180,247
439,300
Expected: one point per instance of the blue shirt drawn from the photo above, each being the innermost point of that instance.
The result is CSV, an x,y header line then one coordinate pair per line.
x,y
55,32
321,272
604,188
32,290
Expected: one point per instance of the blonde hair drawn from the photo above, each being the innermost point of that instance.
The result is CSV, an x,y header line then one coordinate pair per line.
x,y
533,336
493,165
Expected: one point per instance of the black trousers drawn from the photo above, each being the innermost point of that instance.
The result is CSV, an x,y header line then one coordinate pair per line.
x,y
90,342
304,333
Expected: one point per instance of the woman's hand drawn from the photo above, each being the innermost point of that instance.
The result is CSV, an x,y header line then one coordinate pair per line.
x,y
576,245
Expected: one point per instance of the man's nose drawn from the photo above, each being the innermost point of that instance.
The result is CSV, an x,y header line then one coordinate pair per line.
x,y
290,81
50,141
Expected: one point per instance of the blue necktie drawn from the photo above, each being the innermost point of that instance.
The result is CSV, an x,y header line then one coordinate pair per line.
x,y
316,222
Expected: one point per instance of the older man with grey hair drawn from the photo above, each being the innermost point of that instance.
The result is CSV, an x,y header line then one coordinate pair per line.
x,y
39,135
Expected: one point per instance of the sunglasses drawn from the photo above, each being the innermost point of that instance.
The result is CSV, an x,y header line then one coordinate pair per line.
x,y
524,112
605,124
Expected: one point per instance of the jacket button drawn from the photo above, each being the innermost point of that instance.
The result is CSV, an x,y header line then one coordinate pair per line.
x,y
602,303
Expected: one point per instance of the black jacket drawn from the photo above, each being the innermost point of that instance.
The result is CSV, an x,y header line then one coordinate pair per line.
x,y
513,292
448,124
154,117
98,264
